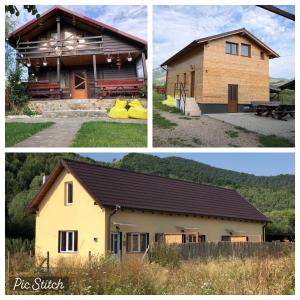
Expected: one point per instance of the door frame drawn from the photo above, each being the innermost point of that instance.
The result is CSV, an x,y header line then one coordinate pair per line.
x,y
73,84
118,236
232,103
193,79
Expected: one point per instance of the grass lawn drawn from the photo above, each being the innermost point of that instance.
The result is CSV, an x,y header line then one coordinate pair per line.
x,y
17,132
111,134
162,122
157,103
274,141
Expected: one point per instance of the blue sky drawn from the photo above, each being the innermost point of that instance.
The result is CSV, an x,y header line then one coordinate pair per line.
x,y
177,26
128,18
264,164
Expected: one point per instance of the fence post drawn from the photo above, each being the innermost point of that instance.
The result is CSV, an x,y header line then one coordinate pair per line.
x,y
48,261
90,256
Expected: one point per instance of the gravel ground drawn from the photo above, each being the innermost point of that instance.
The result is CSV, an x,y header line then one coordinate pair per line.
x,y
201,132
262,125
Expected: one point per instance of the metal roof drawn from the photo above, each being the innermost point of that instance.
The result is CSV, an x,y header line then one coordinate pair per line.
x,y
110,187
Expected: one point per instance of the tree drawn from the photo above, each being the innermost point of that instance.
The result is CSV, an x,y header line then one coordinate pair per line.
x,y
13,10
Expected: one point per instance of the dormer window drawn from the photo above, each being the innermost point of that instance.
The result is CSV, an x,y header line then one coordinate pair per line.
x,y
262,55
68,193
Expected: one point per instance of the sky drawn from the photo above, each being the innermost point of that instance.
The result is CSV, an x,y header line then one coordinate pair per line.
x,y
129,18
177,26
262,164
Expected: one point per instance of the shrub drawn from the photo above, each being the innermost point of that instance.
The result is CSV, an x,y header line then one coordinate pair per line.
x,y
18,245
165,255
16,89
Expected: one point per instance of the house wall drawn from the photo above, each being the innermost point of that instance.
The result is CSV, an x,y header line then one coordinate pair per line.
x,y
251,74
152,223
192,61
83,215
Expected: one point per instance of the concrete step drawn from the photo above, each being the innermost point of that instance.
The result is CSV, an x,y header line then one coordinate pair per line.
x,y
74,113
191,107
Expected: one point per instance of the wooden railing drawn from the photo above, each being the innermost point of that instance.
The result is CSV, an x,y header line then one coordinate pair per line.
x,y
180,87
62,47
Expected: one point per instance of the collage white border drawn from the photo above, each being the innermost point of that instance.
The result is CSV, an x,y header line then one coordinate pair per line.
x,y
149,149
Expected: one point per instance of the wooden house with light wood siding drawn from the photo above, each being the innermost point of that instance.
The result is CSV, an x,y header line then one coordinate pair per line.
x,y
86,209
70,56
222,73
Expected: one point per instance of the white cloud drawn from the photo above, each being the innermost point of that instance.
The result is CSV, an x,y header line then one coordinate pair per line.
x,y
177,26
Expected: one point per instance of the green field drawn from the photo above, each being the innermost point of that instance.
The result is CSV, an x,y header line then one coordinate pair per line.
x,y
17,132
111,134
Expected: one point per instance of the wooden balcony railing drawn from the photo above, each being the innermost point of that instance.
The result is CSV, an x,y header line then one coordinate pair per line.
x,y
62,47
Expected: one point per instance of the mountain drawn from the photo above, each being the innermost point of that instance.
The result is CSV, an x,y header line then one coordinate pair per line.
x,y
273,195
159,76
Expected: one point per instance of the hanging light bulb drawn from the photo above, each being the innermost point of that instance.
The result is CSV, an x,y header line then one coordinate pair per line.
x,y
45,62
109,59
129,58
28,63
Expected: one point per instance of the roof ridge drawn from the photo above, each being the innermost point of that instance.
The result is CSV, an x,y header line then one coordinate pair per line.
x,y
151,175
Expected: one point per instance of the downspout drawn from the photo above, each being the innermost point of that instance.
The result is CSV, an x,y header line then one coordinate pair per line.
x,y
108,227
166,84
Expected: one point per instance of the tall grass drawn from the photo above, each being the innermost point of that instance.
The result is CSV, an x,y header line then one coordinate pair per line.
x,y
214,276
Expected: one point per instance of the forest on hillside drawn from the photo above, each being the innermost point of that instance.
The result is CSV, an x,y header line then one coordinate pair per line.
x,y
273,195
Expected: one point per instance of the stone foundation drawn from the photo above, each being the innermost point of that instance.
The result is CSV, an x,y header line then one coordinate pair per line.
x,y
42,106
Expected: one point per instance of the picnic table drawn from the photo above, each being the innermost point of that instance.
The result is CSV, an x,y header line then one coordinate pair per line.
x,y
274,109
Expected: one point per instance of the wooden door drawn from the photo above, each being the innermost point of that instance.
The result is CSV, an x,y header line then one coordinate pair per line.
x,y
79,85
232,98
192,92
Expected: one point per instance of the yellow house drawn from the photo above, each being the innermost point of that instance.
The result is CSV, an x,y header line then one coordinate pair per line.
x,y
85,209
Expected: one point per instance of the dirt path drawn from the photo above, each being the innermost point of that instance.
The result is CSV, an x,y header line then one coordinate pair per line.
x,y
201,132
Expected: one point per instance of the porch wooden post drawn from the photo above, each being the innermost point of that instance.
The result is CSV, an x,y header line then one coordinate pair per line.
x,y
58,28
58,73
95,68
144,65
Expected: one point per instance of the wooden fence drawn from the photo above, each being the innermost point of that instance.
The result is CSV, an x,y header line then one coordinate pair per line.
x,y
224,249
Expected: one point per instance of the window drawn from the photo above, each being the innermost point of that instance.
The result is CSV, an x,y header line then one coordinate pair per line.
x,y
184,79
202,238
67,241
245,50
159,238
191,238
177,79
137,242
262,55
68,193
231,48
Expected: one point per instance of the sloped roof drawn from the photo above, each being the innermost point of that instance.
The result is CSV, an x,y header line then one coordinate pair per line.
x,y
110,187
197,42
56,9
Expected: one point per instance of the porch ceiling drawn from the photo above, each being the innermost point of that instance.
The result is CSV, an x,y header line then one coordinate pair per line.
x,y
78,60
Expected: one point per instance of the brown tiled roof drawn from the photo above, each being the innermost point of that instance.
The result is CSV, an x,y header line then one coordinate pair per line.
x,y
111,187
197,42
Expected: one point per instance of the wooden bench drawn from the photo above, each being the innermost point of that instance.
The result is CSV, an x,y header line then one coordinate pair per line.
x,y
126,86
49,90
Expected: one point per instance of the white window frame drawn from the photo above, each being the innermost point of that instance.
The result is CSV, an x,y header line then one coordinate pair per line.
x,y
72,232
139,241
67,193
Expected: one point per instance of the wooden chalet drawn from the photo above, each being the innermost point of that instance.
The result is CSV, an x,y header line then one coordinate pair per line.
x,y
70,56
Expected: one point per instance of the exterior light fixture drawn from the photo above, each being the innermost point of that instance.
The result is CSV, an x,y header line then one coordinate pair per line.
x,y
129,58
109,59
28,63
45,62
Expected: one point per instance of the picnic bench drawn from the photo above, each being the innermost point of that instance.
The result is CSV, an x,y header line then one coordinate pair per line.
x,y
273,109
41,89
118,87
